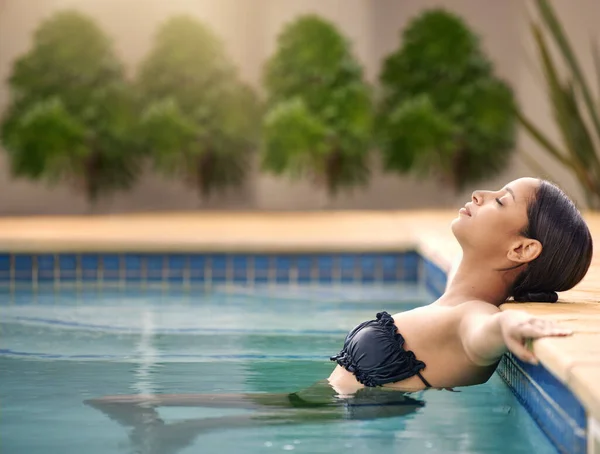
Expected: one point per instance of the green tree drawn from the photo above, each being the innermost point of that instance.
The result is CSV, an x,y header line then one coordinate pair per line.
x,y
70,116
442,111
318,123
198,120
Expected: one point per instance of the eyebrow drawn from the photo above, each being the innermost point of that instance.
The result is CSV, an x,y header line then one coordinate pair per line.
x,y
510,191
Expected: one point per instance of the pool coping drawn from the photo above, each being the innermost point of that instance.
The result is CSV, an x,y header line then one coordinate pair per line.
x,y
574,361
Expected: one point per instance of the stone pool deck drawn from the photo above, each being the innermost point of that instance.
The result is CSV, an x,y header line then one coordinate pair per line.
x,y
575,360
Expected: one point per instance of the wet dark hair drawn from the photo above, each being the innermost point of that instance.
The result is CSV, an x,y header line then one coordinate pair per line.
x,y
567,246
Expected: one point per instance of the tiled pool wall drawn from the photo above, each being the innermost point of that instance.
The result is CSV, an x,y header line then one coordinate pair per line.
x,y
207,269
553,406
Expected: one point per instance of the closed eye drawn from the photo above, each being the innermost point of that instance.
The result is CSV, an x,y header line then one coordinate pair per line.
x,y
499,203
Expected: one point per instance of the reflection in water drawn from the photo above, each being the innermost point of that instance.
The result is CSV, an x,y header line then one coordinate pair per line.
x,y
317,404
147,354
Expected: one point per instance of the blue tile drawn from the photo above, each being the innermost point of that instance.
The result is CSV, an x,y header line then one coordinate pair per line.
x,y
390,267
283,265
410,260
548,407
175,273
438,277
326,274
432,289
45,262
555,389
197,262
176,261
240,262
261,263
218,263
4,262
89,274
304,274
367,265
45,275
304,278
347,262
390,262
240,278
110,262
23,262
325,262
304,262
367,278
154,262
283,262
348,265
133,262
240,268
197,276
435,277
282,277
325,278
261,279
154,276
176,278
346,278
23,275
67,262
410,275
367,262
90,261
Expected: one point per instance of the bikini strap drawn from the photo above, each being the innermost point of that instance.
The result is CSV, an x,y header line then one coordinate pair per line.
x,y
425,382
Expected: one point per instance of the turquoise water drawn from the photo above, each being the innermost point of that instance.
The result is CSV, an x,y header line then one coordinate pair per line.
x,y
58,349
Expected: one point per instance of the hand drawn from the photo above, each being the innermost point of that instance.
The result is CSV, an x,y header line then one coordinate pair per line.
x,y
518,327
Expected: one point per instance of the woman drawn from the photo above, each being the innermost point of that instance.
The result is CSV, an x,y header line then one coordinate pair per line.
x,y
526,241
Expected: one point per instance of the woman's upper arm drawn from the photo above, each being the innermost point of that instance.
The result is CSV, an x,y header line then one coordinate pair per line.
x,y
480,333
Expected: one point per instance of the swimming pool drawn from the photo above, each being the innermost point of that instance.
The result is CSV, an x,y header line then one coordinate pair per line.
x,y
61,347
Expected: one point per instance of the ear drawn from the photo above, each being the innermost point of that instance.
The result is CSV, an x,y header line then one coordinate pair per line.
x,y
525,250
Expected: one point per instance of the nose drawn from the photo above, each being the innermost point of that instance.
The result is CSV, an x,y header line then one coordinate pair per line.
x,y
477,197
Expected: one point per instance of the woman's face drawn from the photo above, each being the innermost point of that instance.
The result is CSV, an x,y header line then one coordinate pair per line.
x,y
493,220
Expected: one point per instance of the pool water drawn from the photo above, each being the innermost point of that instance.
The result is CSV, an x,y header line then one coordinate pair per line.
x,y
60,348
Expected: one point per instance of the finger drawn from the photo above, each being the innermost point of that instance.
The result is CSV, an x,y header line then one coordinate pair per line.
x,y
530,331
550,327
561,332
540,322
535,332
521,352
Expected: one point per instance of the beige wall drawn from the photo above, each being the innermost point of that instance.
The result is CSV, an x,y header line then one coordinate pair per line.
x,y
249,29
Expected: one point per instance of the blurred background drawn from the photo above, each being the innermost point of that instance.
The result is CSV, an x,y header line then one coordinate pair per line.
x,y
111,106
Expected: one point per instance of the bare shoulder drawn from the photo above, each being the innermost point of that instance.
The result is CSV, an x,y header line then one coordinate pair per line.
x,y
477,307
447,312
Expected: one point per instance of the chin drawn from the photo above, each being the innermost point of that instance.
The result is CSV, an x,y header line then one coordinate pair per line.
x,y
458,228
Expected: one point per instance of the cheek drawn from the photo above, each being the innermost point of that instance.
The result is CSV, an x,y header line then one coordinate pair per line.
x,y
487,231
497,228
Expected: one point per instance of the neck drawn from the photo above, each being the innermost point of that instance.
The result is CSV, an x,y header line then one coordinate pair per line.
x,y
475,279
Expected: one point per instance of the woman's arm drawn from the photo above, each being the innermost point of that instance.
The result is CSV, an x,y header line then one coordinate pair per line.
x,y
487,333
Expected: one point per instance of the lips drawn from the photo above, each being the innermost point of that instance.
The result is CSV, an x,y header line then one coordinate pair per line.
x,y
465,210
